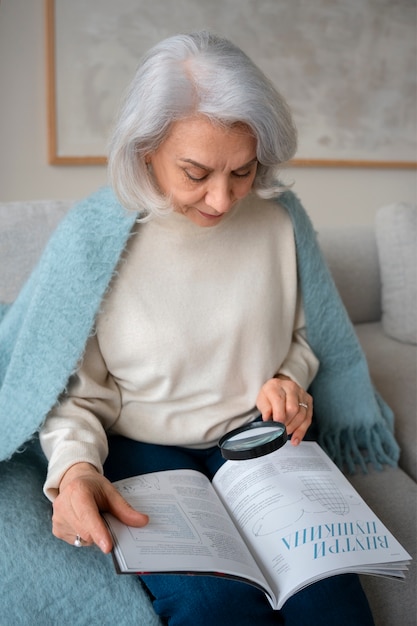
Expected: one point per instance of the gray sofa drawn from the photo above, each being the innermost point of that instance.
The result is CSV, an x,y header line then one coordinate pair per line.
x,y
46,581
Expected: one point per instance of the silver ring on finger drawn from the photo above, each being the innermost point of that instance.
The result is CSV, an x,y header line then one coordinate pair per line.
x,y
78,543
303,404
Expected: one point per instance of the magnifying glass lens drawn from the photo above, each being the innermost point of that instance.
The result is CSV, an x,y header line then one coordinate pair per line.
x,y
253,440
247,439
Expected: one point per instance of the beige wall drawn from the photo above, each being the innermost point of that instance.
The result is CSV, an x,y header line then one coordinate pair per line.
x,y
332,196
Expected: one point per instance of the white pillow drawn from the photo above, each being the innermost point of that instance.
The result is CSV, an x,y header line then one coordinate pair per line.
x,y
396,235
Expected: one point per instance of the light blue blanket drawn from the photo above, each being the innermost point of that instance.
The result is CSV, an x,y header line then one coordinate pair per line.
x,y
43,334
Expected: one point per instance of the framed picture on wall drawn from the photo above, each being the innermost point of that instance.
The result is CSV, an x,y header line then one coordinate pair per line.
x,y
347,69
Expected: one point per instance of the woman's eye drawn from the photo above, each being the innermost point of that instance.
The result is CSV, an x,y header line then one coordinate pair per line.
x,y
194,178
242,174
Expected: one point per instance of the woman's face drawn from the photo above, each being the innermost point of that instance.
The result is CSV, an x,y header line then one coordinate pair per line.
x,y
204,168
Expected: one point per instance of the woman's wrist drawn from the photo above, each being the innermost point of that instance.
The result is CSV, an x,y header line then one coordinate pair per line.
x,y
282,376
75,471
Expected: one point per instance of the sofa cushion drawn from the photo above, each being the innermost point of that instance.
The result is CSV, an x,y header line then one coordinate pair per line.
x,y
392,495
393,369
352,257
396,235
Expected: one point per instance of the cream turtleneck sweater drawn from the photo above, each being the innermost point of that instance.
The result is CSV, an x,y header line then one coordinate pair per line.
x,y
195,321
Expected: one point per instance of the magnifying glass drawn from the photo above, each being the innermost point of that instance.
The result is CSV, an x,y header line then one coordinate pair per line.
x,y
253,440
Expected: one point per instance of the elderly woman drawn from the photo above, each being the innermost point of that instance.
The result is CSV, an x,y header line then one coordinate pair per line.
x,y
202,320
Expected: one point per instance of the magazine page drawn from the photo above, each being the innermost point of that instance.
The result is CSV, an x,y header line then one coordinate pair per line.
x,y
303,520
188,531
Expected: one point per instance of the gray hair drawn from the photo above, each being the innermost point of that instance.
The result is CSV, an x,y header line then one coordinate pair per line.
x,y
186,75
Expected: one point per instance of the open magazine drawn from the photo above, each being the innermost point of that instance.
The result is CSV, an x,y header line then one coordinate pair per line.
x,y
279,522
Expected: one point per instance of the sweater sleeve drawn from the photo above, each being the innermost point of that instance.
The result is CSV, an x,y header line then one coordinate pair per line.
x,y
75,429
300,364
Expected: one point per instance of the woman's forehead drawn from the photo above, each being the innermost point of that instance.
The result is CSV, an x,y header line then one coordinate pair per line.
x,y
198,139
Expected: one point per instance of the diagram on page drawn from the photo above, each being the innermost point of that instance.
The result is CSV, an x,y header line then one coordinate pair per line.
x,y
146,482
319,495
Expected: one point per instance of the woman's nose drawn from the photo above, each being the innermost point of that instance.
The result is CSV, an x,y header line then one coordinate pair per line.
x,y
219,196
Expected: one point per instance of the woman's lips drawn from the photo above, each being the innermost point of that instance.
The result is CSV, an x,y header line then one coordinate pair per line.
x,y
209,216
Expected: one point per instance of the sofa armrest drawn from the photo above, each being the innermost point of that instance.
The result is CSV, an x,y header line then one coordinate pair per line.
x,y
25,228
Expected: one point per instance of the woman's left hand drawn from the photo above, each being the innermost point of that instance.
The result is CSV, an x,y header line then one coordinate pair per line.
x,y
282,400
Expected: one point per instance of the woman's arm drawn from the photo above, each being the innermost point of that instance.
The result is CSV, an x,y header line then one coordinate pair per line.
x,y
75,429
75,441
284,398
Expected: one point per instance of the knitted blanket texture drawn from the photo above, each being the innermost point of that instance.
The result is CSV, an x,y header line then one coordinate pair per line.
x,y
44,332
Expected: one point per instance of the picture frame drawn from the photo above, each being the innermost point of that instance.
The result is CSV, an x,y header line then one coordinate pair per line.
x,y
349,113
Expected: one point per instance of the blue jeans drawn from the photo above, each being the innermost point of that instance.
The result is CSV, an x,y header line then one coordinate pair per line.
x,y
182,600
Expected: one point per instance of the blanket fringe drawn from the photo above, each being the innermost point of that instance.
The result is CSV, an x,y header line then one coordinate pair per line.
x,y
380,448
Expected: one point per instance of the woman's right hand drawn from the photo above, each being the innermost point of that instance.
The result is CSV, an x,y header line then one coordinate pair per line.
x,y
83,494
